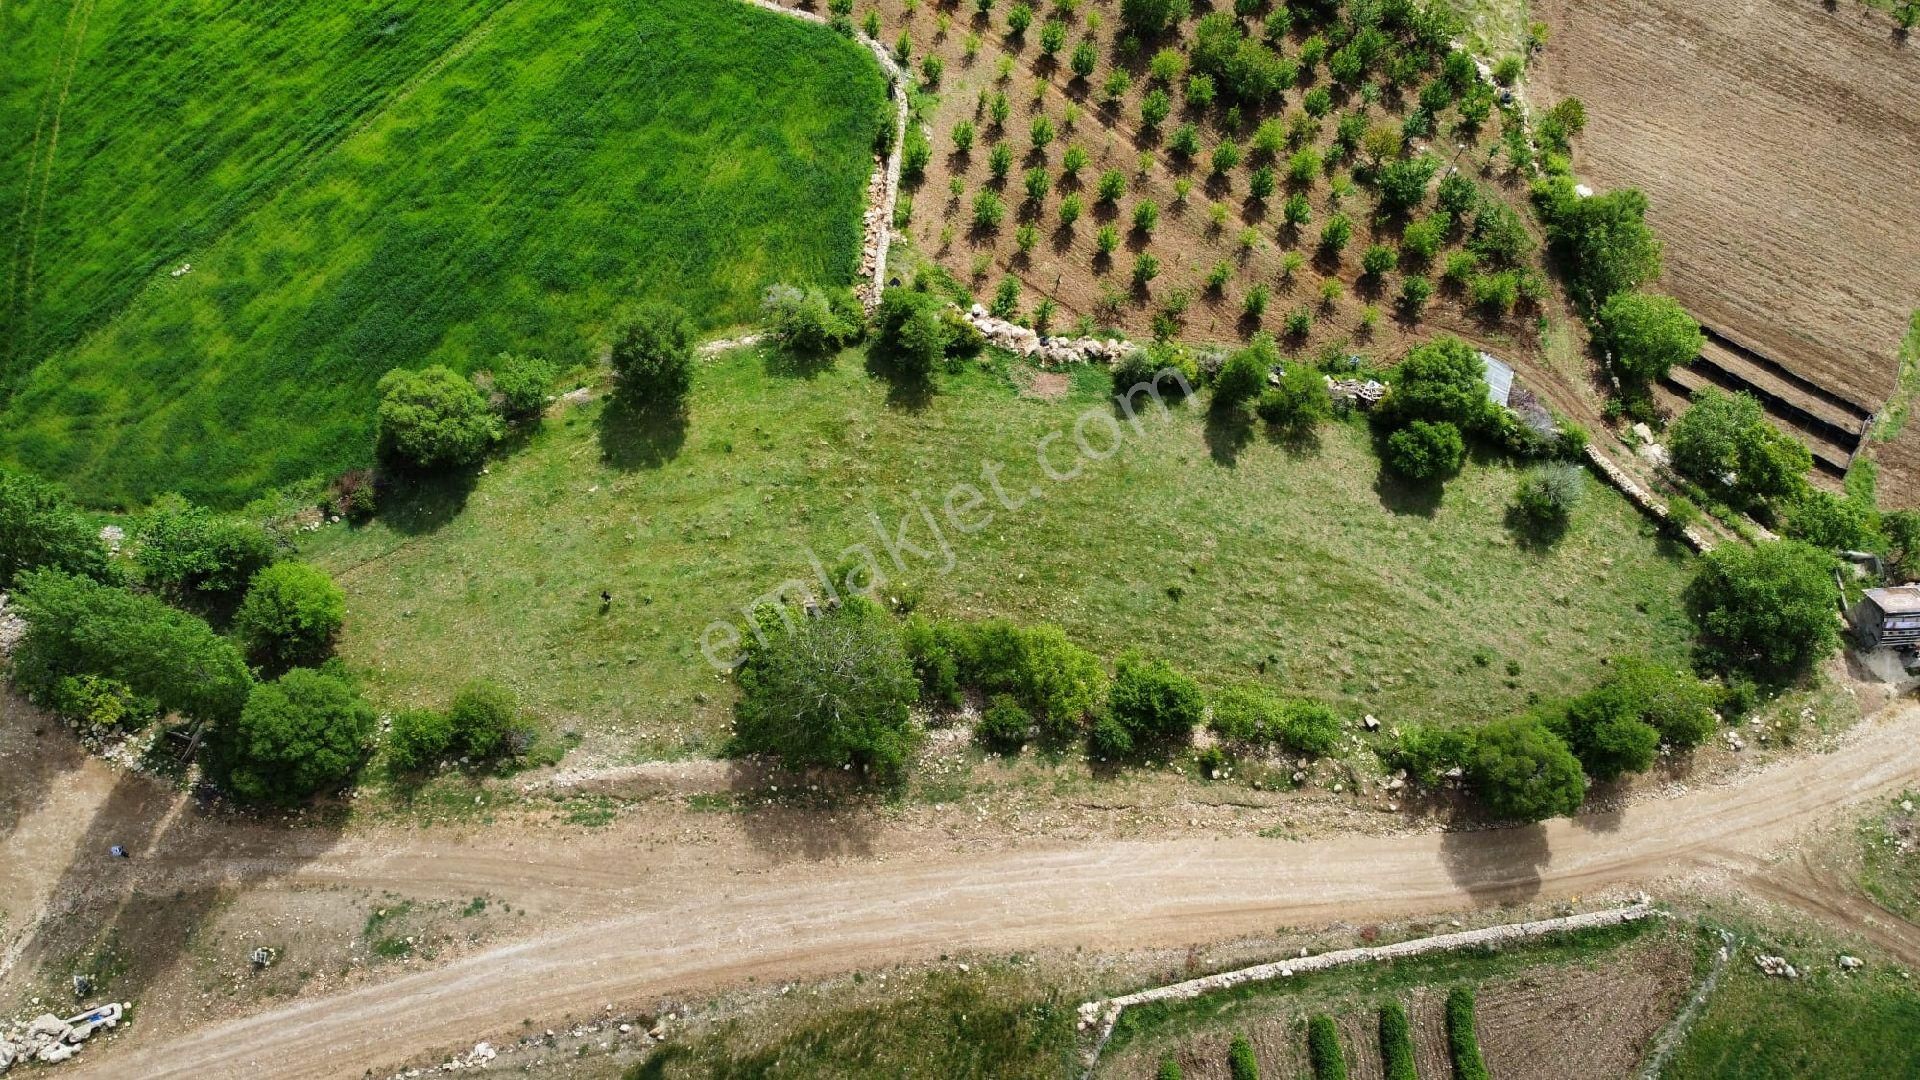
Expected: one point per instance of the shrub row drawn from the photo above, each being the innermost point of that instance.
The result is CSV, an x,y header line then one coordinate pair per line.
x,y
1463,1043
1396,1043
1536,765
1323,1049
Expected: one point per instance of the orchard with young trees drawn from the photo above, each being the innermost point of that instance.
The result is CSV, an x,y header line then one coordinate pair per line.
x,y
1284,142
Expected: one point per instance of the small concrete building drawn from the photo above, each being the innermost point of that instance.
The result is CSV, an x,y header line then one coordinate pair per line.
x,y
1888,618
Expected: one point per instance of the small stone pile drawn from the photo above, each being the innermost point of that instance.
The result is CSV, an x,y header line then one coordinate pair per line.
x,y
875,223
1048,351
47,1038
1775,966
1364,393
12,628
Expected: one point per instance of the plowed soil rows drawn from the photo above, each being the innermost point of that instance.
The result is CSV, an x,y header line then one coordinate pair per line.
x,y
1779,145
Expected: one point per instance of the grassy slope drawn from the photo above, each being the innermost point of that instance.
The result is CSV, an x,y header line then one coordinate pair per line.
x,y
1282,555
575,157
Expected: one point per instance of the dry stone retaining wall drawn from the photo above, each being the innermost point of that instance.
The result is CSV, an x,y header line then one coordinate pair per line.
x,y
1644,499
1107,1013
1047,351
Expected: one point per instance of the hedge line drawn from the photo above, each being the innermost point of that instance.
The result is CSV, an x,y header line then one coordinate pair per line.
x,y
1323,1049
1463,1046
1396,1043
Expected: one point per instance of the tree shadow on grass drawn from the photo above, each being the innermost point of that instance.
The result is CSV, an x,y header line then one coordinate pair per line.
x,y
907,388
415,504
1296,440
1229,428
1400,495
790,364
1532,534
811,816
640,437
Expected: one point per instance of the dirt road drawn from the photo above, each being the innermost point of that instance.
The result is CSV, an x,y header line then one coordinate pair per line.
x,y
699,923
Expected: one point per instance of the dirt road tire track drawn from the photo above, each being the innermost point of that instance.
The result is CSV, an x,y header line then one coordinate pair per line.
x,y
1108,895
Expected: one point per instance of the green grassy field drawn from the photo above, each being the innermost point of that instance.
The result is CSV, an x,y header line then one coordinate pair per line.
x,y
1288,557
1824,1024
1889,857
364,189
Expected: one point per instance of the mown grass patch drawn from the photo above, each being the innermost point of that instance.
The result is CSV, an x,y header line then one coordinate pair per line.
x,y
1297,561
570,158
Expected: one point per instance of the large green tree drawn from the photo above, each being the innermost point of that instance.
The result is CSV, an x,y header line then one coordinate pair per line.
x,y
1603,241
297,736
433,419
652,357
1441,381
1524,772
1648,335
291,613
827,691
1725,442
1768,608
77,626
39,527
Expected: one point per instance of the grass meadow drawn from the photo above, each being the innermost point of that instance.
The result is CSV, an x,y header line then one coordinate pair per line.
x,y
407,185
1217,548
1827,1023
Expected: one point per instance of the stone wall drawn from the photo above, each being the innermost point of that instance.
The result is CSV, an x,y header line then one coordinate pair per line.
x,y
1106,1013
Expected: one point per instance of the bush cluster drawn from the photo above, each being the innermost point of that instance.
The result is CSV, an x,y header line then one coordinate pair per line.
x,y
1251,717
40,528
191,550
809,321
829,690
1057,683
483,723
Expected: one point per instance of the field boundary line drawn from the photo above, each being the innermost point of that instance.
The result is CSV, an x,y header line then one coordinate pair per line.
x,y
1671,1036
1106,1013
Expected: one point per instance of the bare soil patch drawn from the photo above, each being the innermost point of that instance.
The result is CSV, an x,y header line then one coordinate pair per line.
x,y
1778,145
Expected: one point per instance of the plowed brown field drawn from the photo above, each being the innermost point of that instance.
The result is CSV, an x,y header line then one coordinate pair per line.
x,y
1779,144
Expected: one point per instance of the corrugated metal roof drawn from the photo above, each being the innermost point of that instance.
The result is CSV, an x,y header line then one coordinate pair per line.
x,y
1499,379
1898,600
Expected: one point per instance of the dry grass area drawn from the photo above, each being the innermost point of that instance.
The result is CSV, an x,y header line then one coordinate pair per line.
x,y
1777,143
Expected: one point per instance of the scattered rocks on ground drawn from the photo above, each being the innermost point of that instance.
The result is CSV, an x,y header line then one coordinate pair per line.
x,y
1775,966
